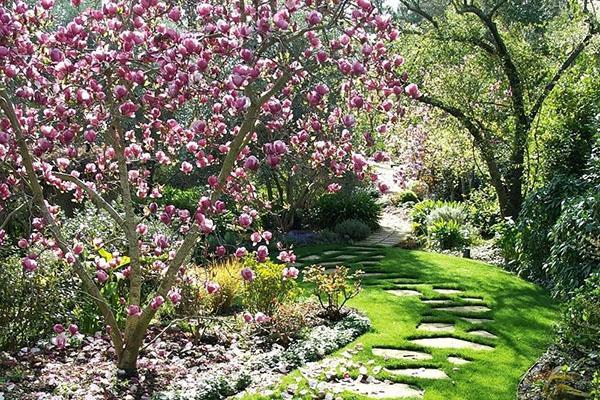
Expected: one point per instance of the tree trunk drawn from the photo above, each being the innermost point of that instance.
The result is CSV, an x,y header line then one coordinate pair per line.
x,y
128,359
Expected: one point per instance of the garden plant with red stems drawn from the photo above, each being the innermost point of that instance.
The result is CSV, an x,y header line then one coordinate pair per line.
x,y
89,107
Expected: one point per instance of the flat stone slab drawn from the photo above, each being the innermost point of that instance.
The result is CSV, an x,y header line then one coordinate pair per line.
x,y
368,262
477,320
345,257
372,274
437,302
447,291
423,373
436,327
378,390
311,258
464,309
330,252
450,343
401,354
457,360
472,298
484,334
404,292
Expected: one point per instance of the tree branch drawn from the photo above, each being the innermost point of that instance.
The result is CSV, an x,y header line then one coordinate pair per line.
x,y
94,196
568,63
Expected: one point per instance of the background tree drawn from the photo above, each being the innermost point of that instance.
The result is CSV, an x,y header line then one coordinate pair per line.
x,y
492,65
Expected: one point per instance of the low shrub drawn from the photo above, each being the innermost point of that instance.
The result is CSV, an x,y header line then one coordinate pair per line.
x,y
579,327
269,289
448,212
353,230
334,208
333,290
419,215
32,302
289,322
405,196
484,211
448,234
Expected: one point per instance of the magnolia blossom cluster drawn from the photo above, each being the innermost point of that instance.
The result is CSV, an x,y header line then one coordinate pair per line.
x,y
104,100
61,339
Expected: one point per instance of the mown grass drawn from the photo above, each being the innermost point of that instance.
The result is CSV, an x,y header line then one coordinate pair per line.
x,y
523,317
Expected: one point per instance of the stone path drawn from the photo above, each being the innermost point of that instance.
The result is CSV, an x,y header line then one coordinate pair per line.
x,y
450,302
394,228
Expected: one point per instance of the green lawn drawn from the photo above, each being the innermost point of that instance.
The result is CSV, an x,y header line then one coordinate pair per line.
x,y
523,316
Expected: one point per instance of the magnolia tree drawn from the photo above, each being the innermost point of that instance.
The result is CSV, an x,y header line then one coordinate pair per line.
x,y
88,107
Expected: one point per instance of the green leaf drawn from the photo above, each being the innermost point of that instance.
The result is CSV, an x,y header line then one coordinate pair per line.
x,y
105,254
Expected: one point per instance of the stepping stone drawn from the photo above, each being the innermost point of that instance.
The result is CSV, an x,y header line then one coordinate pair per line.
x,y
401,354
311,258
330,252
345,257
372,274
477,320
424,373
436,327
483,333
472,299
447,291
378,390
404,292
450,343
368,262
331,264
464,309
437,302
457,360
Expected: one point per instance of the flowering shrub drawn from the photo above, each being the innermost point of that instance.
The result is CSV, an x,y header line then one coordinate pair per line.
x,y
334,289
90,108
268,285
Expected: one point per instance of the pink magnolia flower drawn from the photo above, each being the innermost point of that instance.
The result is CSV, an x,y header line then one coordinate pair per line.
x,y
175,296
77,248
262,253
248,275
261,318
101,276
267,236
73,329
221,251
251,163
240,252
245,220
186,167
60,341
175,14
212,287
290,273
314,17
383,187
29,264
58,328
413,91
334,187
157,302
134,310
23,243
248,318
256,238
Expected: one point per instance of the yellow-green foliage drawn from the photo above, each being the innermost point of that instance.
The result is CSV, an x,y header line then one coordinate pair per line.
x,y
195,297
269,289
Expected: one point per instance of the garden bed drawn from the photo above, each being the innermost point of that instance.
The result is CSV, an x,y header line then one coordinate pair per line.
x,y
176,365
